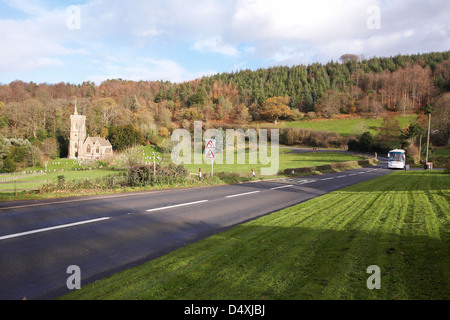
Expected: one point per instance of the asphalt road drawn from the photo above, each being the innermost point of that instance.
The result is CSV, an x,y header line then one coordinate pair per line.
x,y
103,235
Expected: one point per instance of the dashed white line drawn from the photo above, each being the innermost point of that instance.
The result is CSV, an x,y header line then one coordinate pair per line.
x,y
327,179
17,235
342,177
282,187
242,194
176,206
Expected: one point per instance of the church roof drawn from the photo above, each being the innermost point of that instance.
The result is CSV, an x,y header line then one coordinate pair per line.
x,y
101,141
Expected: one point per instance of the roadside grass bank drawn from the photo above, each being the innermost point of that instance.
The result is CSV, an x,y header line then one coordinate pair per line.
x,y
319,249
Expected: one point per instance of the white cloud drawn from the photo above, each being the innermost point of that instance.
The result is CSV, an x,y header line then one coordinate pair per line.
x,y
142,69
215,45
293,32
145,39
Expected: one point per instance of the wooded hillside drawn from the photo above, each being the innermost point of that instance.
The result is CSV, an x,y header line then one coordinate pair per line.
x,y
352,87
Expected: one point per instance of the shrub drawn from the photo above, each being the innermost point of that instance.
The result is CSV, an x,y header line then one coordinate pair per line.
x,y
447,168
144,174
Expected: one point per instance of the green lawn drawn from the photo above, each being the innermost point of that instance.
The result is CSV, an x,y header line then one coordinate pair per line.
x,y
316,250
287,160
39,180
347,127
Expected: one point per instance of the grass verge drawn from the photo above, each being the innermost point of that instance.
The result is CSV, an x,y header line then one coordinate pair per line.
x,y
316,250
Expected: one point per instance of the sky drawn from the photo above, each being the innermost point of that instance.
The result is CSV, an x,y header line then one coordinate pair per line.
x,y
173,40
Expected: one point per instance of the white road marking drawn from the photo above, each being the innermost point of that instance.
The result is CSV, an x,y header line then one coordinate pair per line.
x,y
327,179
242,194
17,235
105,197
306,181
282,187
176,206
351,175
342,176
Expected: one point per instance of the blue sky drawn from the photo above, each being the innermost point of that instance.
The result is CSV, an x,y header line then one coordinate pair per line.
x,y
175,40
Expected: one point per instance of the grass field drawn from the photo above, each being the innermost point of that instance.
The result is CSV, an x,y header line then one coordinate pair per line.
x,y
287,160
38,180
347,127
320,249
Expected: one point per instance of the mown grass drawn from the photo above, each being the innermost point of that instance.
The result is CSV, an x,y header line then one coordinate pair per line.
x,y
320,249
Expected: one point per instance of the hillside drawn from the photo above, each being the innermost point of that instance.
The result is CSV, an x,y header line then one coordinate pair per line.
x,y
349,88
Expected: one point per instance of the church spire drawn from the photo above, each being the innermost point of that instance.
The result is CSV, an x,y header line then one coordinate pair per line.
x,y
76,110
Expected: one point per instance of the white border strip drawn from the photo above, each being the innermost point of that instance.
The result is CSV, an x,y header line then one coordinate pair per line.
x,y
242,194
176,206
282,187
17,235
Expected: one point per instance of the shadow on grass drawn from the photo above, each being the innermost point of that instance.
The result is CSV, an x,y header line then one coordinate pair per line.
x,y
287,263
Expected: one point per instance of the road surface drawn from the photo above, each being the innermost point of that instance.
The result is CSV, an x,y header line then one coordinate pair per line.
x,y
106,234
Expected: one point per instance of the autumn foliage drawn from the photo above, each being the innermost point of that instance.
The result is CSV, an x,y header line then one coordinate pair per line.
x,y
350,88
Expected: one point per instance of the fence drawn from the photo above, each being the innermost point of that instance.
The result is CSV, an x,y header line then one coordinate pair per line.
x,y
15,190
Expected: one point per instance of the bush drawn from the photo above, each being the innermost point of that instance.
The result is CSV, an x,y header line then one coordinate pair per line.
x,y
144,175
447,168
412,155
320,139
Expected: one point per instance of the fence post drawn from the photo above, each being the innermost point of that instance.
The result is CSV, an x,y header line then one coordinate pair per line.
x,y
15,186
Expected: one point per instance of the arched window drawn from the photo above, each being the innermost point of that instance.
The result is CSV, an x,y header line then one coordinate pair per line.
x,y
97,150
88,149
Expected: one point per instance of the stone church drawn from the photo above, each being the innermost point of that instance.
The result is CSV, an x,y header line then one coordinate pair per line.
x,y
83,147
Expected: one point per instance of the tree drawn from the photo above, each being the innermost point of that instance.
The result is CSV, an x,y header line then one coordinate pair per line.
x,y
107,111
349,57
135,104
365,142
276,108
122,137
333,102
389,132
441,117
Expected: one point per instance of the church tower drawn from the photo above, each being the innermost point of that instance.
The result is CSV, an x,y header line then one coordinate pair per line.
x,y
77,134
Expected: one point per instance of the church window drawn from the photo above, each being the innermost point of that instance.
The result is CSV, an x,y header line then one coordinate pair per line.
x,y
88,149
97,150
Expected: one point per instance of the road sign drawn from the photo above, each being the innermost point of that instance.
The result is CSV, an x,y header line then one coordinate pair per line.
x,y
210,149
210,154
210,144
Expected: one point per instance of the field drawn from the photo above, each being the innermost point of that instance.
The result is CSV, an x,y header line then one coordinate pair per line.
x,y
346,127
320,249
287,160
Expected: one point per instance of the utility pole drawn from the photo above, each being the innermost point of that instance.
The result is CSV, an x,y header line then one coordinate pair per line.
x,y
428,111
428,138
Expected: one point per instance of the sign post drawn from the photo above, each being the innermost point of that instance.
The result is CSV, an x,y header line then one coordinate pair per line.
x,y
210,152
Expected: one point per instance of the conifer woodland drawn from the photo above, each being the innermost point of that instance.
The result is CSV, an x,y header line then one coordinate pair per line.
x,y
35,118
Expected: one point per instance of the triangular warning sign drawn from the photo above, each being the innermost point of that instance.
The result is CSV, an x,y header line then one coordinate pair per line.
x,y
210,155
210,145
